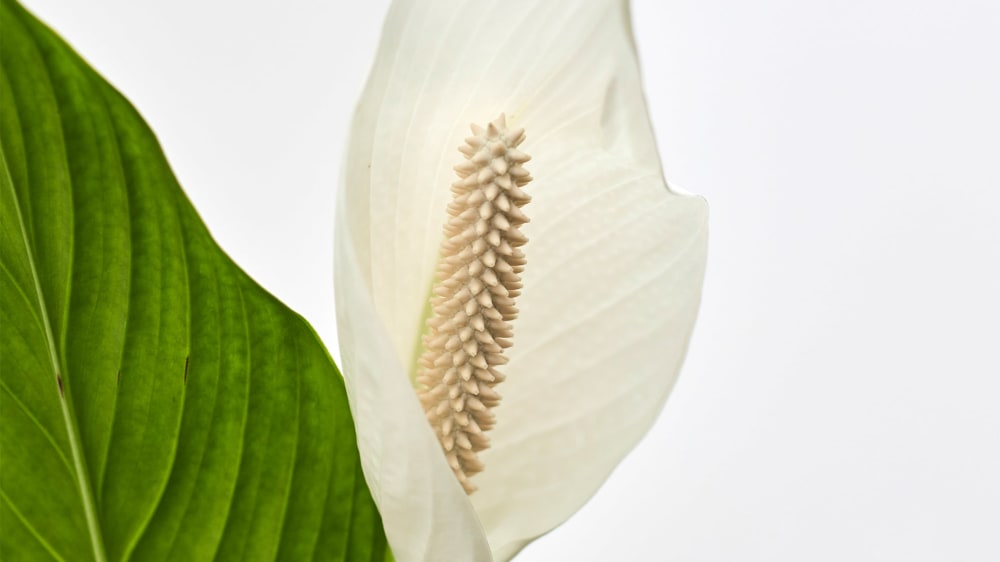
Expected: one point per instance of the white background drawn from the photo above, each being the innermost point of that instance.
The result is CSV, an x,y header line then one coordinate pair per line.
x,y
841,399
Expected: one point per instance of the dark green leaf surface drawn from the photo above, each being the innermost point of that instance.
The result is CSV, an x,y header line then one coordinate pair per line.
x,y
155,403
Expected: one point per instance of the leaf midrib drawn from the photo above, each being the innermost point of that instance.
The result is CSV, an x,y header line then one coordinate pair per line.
x,y
72,431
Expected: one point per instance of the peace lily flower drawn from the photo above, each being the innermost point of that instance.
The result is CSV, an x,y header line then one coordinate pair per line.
x,y
606,287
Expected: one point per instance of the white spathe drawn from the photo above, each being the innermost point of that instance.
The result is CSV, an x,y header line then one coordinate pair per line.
x,y
613,278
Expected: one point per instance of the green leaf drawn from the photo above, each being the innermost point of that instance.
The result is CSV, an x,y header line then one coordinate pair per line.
x,y
155,403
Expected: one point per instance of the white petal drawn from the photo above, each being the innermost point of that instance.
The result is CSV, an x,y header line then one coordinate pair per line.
x,y
609,302
425,512
615,260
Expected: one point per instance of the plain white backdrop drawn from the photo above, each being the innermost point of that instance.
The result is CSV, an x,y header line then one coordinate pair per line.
x,y
841,398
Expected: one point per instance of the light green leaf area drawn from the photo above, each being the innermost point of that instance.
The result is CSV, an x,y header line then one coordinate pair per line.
x,y
155,403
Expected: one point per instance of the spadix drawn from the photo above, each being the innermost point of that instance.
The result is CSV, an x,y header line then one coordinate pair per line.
x,y
473,305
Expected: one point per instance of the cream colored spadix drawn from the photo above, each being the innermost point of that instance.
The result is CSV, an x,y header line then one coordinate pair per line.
x,y
611,288
473,305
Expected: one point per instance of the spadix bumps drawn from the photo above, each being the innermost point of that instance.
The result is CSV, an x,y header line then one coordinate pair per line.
x,y
473,303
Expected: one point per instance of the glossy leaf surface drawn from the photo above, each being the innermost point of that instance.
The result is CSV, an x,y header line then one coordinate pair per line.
x,y
155,403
